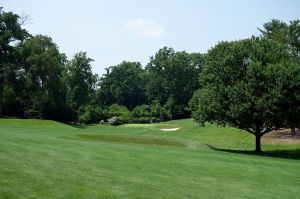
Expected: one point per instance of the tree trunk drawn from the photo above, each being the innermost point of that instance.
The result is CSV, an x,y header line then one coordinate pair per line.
x,y
257,143
293,131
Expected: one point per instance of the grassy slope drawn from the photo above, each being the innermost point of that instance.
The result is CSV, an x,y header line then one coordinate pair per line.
x,y
46,159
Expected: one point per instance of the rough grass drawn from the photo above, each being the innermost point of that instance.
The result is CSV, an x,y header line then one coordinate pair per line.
x,y
132,139
35,162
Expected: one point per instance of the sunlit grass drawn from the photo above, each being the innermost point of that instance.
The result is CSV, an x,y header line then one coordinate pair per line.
x,y
46,159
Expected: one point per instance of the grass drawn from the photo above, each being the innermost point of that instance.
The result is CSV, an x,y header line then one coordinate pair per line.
x,y
132,139
46,159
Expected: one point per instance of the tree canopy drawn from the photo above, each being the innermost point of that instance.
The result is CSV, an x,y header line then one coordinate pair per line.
x,y
80,80
286,34
172,79
11,33
40,72
123,84
244,84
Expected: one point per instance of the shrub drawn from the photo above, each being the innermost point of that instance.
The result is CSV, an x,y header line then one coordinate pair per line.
x,y
141,111
85,118
164,115
102,122
144,120
91,114
122,112
159,112
32,113
114,121
149,113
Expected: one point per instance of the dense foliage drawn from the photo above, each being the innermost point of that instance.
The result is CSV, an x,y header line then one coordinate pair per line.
x,y
123,84
248,84
38,81
10,33
172,79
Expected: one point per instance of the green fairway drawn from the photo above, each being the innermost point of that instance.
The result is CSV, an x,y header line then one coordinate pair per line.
x,y
47,159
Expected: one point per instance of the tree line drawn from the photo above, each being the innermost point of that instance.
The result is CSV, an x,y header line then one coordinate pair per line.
x,y
37,81
251,84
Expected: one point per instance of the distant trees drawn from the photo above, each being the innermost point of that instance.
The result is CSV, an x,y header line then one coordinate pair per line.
x,y
38,81
123,84
246,84
149,113
172,79
169,79
80,81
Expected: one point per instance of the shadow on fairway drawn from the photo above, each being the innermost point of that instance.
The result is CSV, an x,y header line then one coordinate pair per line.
x,y
287,154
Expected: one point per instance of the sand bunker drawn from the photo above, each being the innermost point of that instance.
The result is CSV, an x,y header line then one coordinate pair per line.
x,y
172,129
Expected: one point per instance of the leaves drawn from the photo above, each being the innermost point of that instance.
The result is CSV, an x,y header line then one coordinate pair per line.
x,y
244,84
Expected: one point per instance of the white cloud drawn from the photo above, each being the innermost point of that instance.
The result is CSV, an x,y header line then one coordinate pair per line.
x,y
145,28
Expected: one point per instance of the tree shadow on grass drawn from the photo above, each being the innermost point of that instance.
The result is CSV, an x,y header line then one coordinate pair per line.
x,y
287,154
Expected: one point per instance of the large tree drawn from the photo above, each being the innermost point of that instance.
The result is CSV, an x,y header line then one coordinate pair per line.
x,y
80,80
289,36
40,70
11,33
172,79
244,84
123,84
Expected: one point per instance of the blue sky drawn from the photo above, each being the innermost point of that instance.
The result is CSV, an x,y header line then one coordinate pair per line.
x,y
114,30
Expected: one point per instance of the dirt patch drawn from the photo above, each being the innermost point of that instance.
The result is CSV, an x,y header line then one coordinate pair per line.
x,y
281,136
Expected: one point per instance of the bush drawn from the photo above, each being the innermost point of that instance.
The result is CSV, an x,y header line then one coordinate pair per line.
x,y
102,122
164,115
149,113
91,114
160,112
144,120
141,111
175,110
32,113
85,118
119,111
114,121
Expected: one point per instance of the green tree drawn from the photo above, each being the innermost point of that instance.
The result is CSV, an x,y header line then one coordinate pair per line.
x,y
289,36
40,70
11,33
286,34
172,79
80,81
294,37
123,84
276,30
244,84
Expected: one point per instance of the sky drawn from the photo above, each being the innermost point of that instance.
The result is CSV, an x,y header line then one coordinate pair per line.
x,y
133,30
